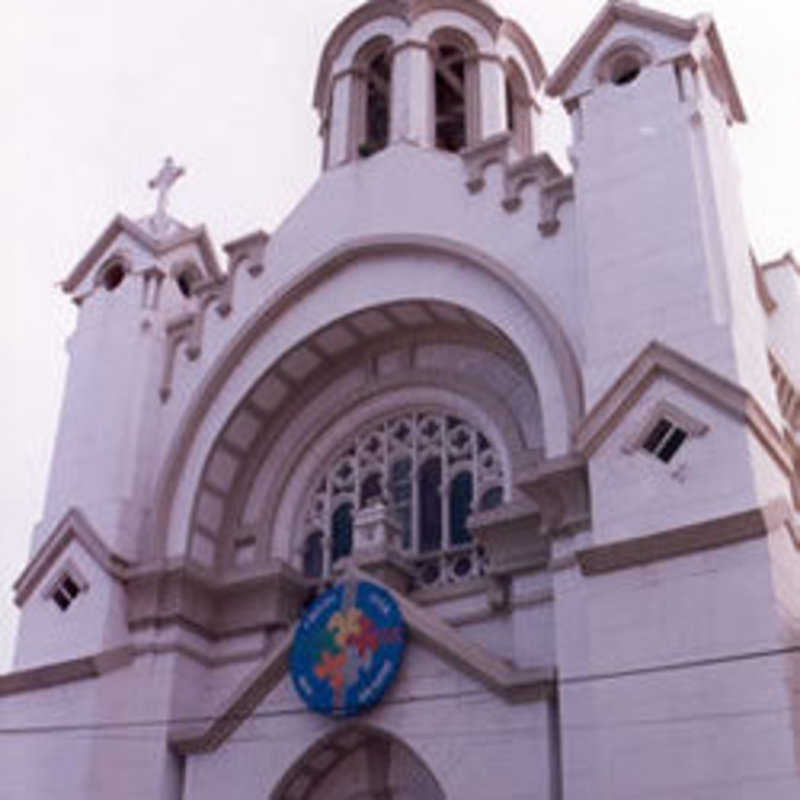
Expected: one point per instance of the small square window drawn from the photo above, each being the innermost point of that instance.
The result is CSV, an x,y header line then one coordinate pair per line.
x,y
65,591
664,440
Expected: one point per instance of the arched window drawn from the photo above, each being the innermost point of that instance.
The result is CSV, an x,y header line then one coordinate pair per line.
x,y
341,532
518,109
429,467
455,91
460,507
312,555
372,89
430,506
111,275
623,63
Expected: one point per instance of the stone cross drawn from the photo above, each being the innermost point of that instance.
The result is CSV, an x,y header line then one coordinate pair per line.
x,y
163,181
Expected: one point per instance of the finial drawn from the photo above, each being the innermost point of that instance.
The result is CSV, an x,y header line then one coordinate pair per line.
x,y
162,182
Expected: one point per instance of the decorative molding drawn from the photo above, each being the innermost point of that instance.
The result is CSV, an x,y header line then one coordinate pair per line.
x,y
551,198
183,329
511,683
476,158
656,360
706,535
216,608
560,489
539,169
768,302
76,669
73,526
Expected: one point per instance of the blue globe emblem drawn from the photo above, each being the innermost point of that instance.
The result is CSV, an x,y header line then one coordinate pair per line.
x,y
347,649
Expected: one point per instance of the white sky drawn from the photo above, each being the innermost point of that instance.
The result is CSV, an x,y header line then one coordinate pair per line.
x,y
97,92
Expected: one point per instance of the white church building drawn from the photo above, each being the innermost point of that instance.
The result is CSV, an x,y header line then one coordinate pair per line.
x,y
554,417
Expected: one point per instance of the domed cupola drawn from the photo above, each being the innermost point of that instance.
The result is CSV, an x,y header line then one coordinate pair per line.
x,y
447,74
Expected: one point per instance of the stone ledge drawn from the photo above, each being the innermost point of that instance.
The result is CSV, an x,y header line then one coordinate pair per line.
x,y
684,540
76,669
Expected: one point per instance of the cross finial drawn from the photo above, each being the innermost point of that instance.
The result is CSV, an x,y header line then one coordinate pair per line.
x,y
162,182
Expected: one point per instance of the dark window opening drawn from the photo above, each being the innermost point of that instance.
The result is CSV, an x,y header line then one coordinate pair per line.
x,y
342,528
371,490
66,591
185,280
400,489
460,507
312,556
379,77
625,69
430,506
449,95
113,276
510,116
664,440
493,498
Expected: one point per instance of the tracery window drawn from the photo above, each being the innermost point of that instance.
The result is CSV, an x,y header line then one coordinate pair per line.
x,y
431,469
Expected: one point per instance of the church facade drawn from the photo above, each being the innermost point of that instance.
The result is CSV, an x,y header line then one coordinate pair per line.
x,y
553,417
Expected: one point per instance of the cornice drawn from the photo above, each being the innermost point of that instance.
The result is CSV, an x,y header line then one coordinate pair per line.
x,y
93,666
515,685
687,539
73,526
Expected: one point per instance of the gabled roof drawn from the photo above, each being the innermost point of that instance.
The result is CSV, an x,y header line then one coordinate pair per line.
x,y
656,360
157,246
468,657
72,527
677,27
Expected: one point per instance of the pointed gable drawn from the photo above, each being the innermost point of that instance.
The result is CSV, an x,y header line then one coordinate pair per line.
x,y
122,234
472,659
656,360
73,527
674,37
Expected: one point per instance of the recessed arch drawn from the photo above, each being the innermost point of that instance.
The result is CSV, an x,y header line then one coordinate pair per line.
x,y
456,89
429,268
357,762
370,97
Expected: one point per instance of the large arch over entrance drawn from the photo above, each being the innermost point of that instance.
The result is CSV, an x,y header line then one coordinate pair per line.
x,y
350,280
359,763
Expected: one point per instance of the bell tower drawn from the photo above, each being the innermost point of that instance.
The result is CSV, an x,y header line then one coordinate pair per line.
x,y
651,98
434,75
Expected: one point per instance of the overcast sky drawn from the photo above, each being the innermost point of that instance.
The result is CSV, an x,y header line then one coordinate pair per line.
x,y
97,92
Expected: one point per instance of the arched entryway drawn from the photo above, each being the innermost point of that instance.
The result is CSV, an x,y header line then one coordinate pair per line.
x,y
358,763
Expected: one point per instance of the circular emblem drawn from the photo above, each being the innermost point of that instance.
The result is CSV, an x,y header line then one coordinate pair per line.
x,y
347,648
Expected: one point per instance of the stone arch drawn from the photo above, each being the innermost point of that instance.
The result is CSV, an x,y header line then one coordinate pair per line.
x,y
370,97
359,762
518,108
456,97
370,271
